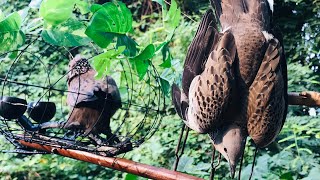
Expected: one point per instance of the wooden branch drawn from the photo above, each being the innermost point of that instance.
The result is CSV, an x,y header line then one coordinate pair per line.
x,y
307,98
119,164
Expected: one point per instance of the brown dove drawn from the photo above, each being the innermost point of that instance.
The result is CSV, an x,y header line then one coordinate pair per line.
x,y
207,101
93,102
261,72
240,88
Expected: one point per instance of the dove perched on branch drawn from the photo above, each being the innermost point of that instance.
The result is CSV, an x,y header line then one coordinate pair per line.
x,y
93,102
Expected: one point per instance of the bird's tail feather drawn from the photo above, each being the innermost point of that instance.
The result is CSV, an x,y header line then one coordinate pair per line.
x,y
176,99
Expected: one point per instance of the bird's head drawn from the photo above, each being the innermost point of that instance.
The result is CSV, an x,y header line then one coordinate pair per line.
x,y
78,66
230,142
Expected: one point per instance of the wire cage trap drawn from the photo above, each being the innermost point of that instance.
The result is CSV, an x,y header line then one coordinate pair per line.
x,y
34,92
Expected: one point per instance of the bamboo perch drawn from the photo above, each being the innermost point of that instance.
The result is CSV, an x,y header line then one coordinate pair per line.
x,y
307,98
119,164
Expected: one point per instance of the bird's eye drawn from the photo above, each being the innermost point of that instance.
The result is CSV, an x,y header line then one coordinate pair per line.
x,y
225,150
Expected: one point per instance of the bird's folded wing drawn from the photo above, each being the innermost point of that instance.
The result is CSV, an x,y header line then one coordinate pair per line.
x,y
197,54
109,86
176,99
210,92
199,50
277,34
81,89
266,102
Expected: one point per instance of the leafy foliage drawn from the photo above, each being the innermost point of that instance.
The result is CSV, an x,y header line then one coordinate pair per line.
x,y
10,34
56,11
102,62
108,20
69,33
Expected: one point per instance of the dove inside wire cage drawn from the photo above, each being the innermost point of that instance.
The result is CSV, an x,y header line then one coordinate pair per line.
x,y
51,96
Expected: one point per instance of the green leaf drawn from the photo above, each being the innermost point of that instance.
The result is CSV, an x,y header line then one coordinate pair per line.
x,y
70,33
56,11
131,177
11,37
161,46
131,45
102,62
109,19
165,86
83,6
173,16
185,163
286,176
13,55
166,56
146,54
95,7
141,62
11,23
141,67
166,63
102,39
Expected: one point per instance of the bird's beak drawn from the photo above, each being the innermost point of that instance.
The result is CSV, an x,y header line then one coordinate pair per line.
x,y
232,167
232,170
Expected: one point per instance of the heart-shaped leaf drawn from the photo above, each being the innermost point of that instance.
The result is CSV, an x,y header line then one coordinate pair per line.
x,y
131,45
108,20
173,16
56,11
102,62
69,33
141,62
11,37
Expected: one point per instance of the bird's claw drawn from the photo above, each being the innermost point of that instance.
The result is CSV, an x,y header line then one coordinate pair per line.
x,y
72,135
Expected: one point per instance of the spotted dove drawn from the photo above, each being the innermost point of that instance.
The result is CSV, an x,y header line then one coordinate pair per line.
x,y
234,82
93,102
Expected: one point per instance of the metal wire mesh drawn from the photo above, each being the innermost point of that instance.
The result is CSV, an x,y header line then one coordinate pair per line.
x,y
27,75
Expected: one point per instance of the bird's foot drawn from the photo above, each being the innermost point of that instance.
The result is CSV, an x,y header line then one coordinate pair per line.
x,y
96,139
112,140
72,134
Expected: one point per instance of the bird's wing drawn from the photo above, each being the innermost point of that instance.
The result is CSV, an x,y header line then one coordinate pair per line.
x,y
109,86
200,48
176,99
198,52
277,34
81,89
210,92
266,102
85,88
